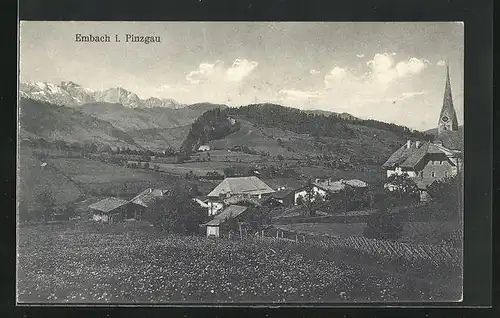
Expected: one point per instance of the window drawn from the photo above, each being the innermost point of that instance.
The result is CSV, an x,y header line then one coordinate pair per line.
x,y
433,174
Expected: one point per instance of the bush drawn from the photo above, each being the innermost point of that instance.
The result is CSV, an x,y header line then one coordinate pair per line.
x,y
384,226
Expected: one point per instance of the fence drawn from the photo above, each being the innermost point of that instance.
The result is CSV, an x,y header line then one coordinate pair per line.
x,y
383,250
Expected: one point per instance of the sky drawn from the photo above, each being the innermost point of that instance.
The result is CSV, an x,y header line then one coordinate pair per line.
x,y
393,72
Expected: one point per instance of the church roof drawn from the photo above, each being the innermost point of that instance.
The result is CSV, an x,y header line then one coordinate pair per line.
x,y
448,109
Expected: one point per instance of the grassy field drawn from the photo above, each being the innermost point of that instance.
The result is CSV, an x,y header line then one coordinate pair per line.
x,y
80,264
35,178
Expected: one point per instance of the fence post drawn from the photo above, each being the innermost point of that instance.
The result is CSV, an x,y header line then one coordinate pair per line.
x,y
296,238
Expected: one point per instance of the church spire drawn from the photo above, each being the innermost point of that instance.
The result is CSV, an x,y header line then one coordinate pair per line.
x,y
448,117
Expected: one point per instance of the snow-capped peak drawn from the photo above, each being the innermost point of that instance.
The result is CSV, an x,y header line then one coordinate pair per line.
x,y
71,94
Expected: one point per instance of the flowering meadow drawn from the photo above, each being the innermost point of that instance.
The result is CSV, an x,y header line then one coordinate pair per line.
x,y
62,264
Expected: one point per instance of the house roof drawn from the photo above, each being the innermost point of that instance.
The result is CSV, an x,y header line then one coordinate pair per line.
x,y
241,185
146,197
409,157
335,186
230,211
356,183
108,204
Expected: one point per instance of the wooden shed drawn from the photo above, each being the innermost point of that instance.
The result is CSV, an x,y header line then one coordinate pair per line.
x,y
110,210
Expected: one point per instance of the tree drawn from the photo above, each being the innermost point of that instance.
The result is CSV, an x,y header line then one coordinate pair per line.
x,y
402,190
448,193
311,200
177,213
257,217
47,202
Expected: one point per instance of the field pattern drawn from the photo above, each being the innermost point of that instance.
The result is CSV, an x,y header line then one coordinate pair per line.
x,y
436,255
76,265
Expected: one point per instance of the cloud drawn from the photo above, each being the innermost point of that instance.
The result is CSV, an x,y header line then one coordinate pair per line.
x,y
172,88
360,55
314,72
441,63
413,66
384,71
298,95
411,95
206,72
217,72
336,75
240,69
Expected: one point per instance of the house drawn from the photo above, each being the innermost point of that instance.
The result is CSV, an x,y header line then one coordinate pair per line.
x,y
329,187
110,210
214,226
239,187
284,197
204,148
424,162
141,202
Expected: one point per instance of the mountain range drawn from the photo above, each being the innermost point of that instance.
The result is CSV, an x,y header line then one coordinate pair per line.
x,y
70,94
117,117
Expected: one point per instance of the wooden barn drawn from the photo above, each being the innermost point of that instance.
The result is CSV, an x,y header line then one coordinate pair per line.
x,y
144,200
214,226
110,210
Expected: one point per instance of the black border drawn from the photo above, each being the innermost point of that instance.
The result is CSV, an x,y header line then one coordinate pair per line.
x,y
477,16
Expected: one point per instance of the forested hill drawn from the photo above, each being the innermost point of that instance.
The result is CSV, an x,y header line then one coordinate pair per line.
x,y
217,124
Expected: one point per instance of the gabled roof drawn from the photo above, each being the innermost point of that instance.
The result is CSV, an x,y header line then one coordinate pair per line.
x,y
335,186
146,197
108,204
241,185
332,186
231,211
409,157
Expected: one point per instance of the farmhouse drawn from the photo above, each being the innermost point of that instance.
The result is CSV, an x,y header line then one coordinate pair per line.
x,y
240,187
204,148
214,225
141,202
110,210
425,162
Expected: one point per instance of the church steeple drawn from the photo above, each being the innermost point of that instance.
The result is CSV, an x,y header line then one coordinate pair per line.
x,y
448,117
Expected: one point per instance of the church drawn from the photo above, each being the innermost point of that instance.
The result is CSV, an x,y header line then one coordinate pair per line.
x,y
426,161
